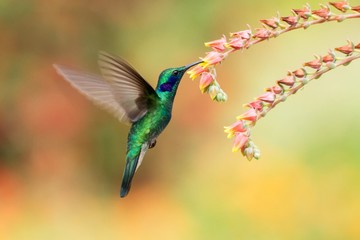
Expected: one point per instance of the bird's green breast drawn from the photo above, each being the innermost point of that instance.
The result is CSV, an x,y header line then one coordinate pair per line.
x,y
149,126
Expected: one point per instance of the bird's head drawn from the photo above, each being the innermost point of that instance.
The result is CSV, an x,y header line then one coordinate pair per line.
x,y
170,78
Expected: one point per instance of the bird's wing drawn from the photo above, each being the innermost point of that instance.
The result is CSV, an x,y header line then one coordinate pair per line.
x,y
129,88
122,90
95,88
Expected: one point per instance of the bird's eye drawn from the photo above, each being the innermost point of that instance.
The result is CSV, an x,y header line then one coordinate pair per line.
x,y
175,72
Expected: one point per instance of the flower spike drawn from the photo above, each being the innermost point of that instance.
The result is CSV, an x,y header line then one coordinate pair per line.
x,y
289,85
301,18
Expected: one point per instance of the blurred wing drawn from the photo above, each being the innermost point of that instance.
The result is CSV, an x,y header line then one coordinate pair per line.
x,y
95,88
130,90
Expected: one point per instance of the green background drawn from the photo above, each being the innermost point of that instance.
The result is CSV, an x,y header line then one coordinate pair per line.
x,y
61,158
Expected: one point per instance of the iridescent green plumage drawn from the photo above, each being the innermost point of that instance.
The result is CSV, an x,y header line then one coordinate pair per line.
x,y
130,98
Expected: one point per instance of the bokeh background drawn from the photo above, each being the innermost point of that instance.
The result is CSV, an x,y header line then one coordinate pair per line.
x,y
61,158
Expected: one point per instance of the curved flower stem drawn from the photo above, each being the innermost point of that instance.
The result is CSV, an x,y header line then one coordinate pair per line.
x,y
271,28
306,25
316,75
284,88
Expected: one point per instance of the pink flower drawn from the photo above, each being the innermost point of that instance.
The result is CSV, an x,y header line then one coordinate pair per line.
x,y
237,43
262,33
300,73
213,58
240,141
245,34
323,12
275,89
205,80
257,105
347,49
303,13
356,9
217,45
249,115
342,5
328,58
272,22
288,81
315,64
237,127
196,71
291,20
267,97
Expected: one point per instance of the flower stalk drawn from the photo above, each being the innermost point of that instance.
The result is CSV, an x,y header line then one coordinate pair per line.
x,y
294,80
300,19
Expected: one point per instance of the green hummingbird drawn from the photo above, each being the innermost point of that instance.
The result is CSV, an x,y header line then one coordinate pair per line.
x,y
127,95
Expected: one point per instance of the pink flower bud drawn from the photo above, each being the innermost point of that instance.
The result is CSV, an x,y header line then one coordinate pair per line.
x,y
300,73
268,97
328,58
356,9
257,105
323,12
217,45
245,34
275,89
272,22
262,33
240,141
357,46
249,115
237,43
288,81
347,49
315,64
304,13
291,20
342,5
205,80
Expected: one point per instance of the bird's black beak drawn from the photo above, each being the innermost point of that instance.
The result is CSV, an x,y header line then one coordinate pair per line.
x,y
192,64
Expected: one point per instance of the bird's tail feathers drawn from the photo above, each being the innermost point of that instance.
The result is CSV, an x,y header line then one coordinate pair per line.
x,y
129,172
132,165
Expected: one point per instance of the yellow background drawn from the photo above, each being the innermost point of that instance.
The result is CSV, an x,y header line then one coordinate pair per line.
x,y
61,158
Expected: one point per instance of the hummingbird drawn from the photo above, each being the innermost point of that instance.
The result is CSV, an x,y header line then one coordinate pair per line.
x,y
130,98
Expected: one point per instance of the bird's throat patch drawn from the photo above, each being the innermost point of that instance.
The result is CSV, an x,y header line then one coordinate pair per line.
x,y
166,87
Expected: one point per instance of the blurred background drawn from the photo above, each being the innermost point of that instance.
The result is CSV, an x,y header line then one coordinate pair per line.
x,y
61,157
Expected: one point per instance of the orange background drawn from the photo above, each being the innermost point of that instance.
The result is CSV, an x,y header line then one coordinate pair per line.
x,y
61,158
